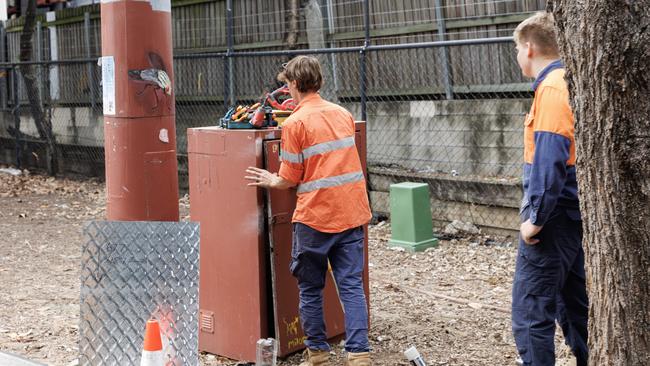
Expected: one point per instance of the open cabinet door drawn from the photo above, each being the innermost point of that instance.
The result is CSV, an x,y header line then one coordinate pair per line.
x,y
288,330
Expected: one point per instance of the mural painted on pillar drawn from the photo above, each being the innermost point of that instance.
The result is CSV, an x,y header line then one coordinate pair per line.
x,y
155,79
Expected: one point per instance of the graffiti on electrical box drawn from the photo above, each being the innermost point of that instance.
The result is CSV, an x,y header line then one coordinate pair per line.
x,y
292,327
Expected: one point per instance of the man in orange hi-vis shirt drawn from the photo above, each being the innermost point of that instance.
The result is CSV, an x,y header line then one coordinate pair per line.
x,y
320,159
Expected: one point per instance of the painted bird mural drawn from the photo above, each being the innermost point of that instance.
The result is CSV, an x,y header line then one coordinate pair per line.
x,y
155,77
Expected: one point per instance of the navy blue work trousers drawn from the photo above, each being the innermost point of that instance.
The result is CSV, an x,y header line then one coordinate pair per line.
x,y
311,251
549,285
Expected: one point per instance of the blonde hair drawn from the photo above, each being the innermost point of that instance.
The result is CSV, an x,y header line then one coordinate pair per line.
x,y
539,30
306,71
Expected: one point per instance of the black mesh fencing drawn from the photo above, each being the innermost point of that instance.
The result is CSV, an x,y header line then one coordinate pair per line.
x,y
446,110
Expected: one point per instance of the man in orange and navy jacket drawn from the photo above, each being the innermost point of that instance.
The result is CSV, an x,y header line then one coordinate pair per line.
x,y
320,159
549,281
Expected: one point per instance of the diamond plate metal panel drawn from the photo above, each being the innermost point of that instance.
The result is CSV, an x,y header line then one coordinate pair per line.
x,y
133,271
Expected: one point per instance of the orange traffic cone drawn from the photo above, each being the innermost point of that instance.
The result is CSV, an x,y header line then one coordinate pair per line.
x,y
152,350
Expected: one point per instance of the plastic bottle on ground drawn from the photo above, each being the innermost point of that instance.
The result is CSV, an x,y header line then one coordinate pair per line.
x,y
267,352
414,357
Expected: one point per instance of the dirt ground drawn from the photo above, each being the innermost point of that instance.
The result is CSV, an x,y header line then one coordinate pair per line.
x,y
452,302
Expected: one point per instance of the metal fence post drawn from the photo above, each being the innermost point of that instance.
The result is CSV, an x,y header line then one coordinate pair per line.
x,y
53,71
4,97
364,81
362,59
89,66
329,14
16,113
39,59
444,52
228,90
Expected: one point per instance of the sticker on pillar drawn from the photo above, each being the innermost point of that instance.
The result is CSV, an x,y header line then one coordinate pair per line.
x,y
154,79
161,5
163,135
108,84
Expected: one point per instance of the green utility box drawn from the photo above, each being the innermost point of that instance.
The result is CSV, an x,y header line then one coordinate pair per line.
x,y
410,217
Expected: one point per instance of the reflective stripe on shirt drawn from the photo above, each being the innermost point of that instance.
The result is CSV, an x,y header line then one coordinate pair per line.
x,y
317,149
290,157
326,147
334,181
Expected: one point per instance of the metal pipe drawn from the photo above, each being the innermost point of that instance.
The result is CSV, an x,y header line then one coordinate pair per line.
x,y
460,42
329,10
89,67
53,72
50,62
39,58
16,113
444,52
363,77
370,48
4,98
366,22
228,98
404,46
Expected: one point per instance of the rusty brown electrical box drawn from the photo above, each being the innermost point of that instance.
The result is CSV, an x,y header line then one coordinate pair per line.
x,y
246,290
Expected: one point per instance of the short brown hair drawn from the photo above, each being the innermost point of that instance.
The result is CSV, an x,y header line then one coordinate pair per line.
x,y
306,71
539,30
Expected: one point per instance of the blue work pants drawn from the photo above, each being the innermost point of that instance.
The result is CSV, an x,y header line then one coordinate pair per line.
x,y
309,264
549,285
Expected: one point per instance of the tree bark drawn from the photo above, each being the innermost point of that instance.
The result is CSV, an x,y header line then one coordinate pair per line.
x,y
606,49
43,125
293,23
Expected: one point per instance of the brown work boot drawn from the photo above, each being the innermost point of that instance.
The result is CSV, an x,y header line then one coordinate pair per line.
x,y
315,358
358,359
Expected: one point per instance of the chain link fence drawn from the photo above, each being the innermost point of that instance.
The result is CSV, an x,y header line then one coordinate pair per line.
x,y
444,104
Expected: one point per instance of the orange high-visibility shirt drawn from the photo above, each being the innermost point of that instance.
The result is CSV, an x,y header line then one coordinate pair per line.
x,y
550,112
549,178
318,153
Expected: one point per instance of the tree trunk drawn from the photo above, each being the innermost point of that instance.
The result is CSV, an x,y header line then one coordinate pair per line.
x,y
293,22
606,48
43,125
